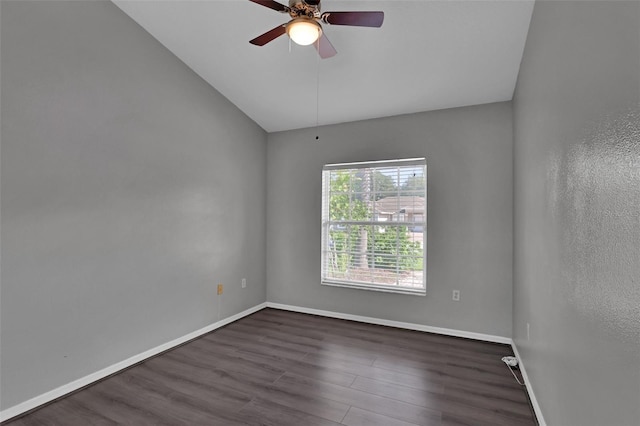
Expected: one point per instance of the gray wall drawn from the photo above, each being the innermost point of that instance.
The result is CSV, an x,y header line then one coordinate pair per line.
x,y
577,211
130,188
469,159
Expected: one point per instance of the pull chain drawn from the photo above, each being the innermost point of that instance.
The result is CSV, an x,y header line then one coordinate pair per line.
x,y
318,87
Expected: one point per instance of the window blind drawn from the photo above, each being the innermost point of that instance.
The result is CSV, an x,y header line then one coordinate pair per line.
x,y
374,217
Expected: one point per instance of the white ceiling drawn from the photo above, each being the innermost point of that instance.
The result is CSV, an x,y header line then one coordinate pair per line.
x,y
428,55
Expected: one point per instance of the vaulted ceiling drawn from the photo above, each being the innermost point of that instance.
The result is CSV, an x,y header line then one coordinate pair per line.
x,y
427,55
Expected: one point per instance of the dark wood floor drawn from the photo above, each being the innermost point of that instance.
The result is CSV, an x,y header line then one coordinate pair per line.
x,y
282,368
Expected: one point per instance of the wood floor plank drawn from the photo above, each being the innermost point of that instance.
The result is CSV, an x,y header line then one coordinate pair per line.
x,y
481,373
508,393
234,340
273,350
470,418
426,359
211,392
419,379
181,367
257,386
207,356
355,353
367,401
289,343
489,401
359,417
111,404
304,368
174,406
283,336
337,352
501,412
65,412
323,408
284,368
395,391
267,413
439,354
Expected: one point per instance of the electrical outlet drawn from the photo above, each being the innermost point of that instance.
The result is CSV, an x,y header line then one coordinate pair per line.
x,y
244,283
456,295
220,289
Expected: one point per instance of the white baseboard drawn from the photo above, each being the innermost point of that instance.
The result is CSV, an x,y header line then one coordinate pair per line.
x,y
532,396
397,324
46,397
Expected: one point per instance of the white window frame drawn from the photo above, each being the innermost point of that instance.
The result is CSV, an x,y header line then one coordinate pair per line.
x,y
327,224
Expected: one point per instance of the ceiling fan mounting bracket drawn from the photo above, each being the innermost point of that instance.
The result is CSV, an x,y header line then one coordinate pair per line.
x,y
300,9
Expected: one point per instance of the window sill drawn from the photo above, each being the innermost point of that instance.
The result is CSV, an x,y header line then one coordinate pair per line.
x,y
384,289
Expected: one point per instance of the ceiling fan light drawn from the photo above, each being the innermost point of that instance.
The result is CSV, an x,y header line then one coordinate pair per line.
x,y
304,31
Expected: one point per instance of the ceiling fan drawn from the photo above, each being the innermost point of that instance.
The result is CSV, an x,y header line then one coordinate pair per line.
x,y
304,27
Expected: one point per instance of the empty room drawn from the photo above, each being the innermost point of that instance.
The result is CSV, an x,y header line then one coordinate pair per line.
x,y
305,212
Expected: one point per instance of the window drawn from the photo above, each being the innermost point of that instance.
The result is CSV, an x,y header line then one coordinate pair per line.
x,y
374,225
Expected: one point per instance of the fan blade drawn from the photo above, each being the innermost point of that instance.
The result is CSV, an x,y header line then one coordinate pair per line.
x,y
356,19
324,47
272,5
270,35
